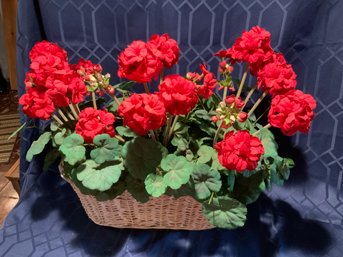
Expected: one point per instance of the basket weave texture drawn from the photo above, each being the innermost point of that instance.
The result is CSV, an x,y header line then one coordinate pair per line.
x,y
164,212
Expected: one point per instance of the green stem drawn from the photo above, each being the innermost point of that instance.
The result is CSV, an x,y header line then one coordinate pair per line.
x,y
57,119
242,81
215,139
165,134
211,198
72,108
161,76
120,138
153,136
265,127
257,103
172,127
252,90
116,100
70,116
62,115
146,88
94,101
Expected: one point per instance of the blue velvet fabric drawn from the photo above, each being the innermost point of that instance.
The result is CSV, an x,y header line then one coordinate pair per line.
x,y
304,218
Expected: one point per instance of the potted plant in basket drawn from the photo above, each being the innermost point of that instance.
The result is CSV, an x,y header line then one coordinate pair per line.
x,y
190,155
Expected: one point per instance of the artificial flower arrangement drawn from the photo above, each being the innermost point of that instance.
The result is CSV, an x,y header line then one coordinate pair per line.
x,y
193,137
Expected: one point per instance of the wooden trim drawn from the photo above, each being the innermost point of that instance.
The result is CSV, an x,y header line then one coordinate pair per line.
x,y
13,175
9,15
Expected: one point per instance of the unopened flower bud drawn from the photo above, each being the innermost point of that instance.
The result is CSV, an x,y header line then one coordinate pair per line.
x,y
214,118
111,90
242,116
232,118
230,99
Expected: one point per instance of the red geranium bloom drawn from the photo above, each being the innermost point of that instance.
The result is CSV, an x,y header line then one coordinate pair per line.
x,y
165,48
37,105
94,122
239,151
138,63
292,112
57,91
48,57
77,88
277,77
178,94
142,113
252,47
209,83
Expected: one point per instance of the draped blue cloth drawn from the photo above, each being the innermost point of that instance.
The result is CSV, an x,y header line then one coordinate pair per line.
x,y
303,218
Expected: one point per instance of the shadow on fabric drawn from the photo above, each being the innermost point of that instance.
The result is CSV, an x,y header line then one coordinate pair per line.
x,y
272,226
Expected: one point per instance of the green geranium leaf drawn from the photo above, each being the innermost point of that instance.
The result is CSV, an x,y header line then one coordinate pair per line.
x,y
201,115
268,142
59,136
280,170
99,177
206,180
125,132
116,190
180,142
38,146
185,190
215,162
189,155
181,129
248,189
231,178
54,126
178,170
154,185
141,156
107,149
225,212
205,154
136,188
50,158
73,149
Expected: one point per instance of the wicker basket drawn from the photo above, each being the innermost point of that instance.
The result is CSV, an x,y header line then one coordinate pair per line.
x,y
164,212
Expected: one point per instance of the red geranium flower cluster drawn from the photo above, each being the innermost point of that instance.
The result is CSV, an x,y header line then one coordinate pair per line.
x,y
292,112
142,113
94,122
138,63
277,77
252,47
165,48
239,151
51,82
142,62
177,94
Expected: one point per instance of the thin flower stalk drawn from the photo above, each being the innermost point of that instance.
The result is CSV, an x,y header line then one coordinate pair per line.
x,y
62,115
241,85
265,127
58,120
72,108
94,101
257,103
